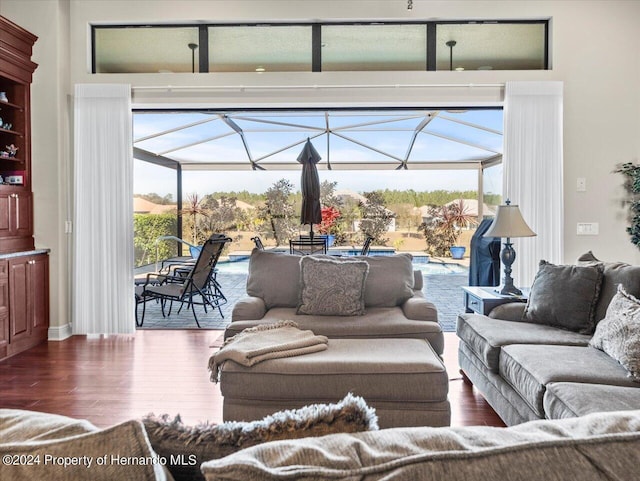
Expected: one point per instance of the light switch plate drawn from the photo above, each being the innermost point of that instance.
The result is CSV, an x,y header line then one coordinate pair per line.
x,y
581,184
588,228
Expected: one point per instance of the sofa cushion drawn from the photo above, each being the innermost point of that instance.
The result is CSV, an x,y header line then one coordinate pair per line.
x,y
569,399
485,336
378,322
331,288
275,277
565,296
618,334
529,368
390,281
598,447
614,273
52,439
192,445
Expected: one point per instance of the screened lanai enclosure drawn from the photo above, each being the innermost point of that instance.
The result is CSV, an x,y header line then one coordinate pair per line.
x,y
396,146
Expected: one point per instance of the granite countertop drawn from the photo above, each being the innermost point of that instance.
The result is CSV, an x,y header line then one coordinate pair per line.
x,y
33,252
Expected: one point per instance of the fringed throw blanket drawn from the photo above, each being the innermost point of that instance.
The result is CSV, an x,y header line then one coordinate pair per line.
x,y
260,343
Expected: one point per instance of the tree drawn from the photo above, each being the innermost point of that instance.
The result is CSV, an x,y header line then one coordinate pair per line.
x,y
328,197
156,198
441,228
277,216
193,209
219,214
376,218
146,230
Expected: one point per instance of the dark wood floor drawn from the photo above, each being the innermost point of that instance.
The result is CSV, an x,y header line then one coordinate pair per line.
x,y
109,380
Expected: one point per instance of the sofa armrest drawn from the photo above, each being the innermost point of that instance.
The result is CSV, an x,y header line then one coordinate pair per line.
x,y
419,309
511,311
249,308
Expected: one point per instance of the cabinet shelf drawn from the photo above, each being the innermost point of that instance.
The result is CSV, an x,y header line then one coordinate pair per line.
x,y
13,106
12,132
12,159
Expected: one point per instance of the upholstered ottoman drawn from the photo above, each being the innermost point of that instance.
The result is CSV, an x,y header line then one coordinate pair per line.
x,y
403,379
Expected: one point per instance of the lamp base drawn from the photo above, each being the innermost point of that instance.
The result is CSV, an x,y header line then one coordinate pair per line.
x,y
507,256
509,291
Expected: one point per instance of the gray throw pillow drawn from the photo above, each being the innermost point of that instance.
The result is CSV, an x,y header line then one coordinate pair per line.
x,y
332,288
618,334
390,281
614,273
274,277
196,444
565,296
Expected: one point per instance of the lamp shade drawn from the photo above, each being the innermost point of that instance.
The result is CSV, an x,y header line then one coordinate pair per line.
x,y
509,223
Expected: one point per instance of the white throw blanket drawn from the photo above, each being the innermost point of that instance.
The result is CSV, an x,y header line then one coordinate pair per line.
x,y
260,343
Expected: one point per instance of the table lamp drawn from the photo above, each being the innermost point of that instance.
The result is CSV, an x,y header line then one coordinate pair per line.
x,y
509,223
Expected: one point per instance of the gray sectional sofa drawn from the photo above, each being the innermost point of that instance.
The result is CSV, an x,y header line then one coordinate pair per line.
x,y
394,305
597,447
530,367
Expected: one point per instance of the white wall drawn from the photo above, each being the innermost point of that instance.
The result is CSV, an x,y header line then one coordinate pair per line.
x,y
595,52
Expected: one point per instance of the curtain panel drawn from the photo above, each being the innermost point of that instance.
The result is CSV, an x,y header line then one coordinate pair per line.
x,y
533,171
103,300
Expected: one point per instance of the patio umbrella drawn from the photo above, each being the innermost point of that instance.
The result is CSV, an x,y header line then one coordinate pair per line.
x,y
310,186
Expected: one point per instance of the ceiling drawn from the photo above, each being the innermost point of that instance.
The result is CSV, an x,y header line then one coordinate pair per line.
x,y
345,139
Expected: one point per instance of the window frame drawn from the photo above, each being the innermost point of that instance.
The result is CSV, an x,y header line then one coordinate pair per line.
x,y
316,36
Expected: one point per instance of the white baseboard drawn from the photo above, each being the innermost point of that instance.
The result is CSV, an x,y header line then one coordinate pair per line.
x,y
59,333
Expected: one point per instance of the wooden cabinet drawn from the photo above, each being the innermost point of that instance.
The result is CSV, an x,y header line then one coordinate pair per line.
x,y
28,279
24,272
16,72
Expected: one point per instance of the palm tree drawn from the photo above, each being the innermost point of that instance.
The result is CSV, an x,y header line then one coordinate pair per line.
x,y
193,209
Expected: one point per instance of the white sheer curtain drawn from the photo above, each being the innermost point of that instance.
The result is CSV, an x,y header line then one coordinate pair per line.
x,y
103,226
533,171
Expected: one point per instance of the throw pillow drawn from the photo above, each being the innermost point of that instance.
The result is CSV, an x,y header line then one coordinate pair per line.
x,y
565,296
197,444
614,273
390,281
332,288
618,334
274,277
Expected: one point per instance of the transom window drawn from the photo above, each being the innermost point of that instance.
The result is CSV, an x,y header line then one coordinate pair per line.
x,y
316,47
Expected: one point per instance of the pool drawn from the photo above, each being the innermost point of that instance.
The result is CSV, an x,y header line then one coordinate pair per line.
x,y
427,268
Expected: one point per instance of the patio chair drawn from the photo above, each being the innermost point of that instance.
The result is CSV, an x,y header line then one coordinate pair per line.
x,y
366,246
306,247
196,285
258,243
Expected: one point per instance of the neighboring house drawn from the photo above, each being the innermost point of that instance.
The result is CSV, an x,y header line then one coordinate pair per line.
x,y
471,208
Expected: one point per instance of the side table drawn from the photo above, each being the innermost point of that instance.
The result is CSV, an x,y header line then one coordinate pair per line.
x,y
483,299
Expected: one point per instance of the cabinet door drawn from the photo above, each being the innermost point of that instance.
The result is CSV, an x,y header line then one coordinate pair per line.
x,y
28,301
5,227
4,309
21,207
16,228
19,323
